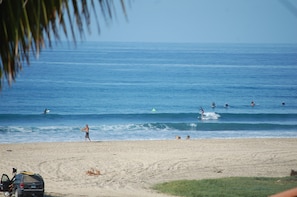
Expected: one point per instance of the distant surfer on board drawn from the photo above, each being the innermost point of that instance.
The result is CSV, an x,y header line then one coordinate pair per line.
x,y
86,129
208,115
46,111
201,112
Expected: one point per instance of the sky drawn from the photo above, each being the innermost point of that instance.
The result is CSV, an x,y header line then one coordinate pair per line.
x,y
201,21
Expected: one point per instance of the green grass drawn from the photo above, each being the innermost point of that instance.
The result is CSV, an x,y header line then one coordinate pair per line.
x,y
228,187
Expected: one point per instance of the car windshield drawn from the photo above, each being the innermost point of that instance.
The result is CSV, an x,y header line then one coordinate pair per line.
x,y
31,179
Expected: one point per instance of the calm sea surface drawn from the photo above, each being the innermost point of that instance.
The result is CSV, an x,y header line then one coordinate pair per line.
x,y
147,91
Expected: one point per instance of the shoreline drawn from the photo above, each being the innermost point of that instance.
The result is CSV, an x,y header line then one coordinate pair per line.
x,y
131,168
151,140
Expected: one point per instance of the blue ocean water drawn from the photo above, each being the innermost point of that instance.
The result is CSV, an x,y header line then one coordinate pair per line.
x,y
147,91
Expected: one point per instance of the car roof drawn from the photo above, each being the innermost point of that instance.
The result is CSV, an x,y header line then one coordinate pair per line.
x,y
27,173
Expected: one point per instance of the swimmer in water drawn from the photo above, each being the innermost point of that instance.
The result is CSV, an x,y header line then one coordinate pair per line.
x,y
213,105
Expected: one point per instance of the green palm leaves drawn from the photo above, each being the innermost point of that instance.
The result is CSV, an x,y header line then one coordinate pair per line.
x,y
25,25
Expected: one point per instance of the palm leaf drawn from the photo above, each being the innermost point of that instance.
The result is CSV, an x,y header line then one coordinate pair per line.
x,y
26,24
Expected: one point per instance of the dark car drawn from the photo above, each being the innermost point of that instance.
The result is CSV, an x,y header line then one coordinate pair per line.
x,y
22,185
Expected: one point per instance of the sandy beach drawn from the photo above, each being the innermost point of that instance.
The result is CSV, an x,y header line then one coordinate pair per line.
x,y
131,168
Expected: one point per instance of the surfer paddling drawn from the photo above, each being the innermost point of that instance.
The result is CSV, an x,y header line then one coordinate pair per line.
x,y
86,129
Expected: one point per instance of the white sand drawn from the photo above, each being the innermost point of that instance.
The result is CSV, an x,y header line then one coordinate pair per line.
x,y
131,168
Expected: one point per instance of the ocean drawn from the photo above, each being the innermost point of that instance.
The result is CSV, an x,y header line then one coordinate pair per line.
x,y
152,91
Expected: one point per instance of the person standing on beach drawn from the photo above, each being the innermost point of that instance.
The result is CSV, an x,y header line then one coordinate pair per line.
x,y
86,129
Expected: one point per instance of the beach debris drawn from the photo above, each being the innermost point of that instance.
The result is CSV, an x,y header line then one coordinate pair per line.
x,y
293,173
93,172
216,170
219,171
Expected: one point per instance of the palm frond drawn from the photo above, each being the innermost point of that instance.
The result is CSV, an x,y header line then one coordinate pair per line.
x,y
25,25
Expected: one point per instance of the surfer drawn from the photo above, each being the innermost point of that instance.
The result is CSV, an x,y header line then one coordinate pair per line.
x,y
208,115
253,104
86,129
201,112
213,105
46,111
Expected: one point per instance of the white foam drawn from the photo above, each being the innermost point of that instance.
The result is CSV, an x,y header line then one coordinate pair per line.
x,y
209,116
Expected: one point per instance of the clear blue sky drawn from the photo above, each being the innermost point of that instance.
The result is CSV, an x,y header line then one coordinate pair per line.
x,y
210,21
